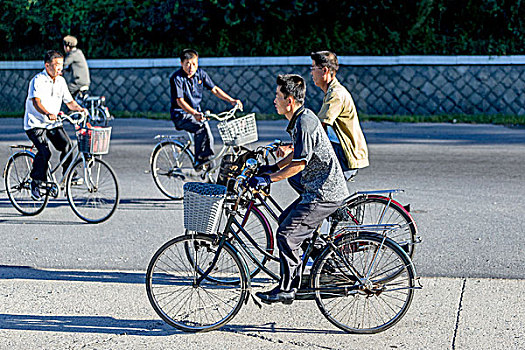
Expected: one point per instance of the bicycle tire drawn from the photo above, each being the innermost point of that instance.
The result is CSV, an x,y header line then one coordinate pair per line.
x,y
99,201
354,305
367,210
17,185
257,226
171,167
171,289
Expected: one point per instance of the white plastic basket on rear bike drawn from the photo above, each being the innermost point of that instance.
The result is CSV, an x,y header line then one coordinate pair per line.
x,y
240,131
94,140
203,204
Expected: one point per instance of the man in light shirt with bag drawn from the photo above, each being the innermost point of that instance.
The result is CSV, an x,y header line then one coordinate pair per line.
x,y
339,115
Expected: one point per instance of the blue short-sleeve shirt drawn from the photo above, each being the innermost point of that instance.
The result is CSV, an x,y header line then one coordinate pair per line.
x,y
191,89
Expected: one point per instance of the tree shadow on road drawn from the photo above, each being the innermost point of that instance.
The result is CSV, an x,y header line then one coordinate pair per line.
x,y
271,328
149,204
8,272
85,324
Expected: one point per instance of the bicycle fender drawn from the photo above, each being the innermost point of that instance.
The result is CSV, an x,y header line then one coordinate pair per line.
x,y
163,142
4,173
243,260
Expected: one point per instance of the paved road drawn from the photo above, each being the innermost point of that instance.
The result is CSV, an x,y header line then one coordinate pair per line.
x,y
465,184
82,285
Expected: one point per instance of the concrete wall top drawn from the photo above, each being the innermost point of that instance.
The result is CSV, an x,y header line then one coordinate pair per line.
x,y
287,61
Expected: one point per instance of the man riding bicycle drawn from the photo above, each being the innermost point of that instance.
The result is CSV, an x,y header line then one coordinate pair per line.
x,y
322,180
75,67
47,90
339,115
187,86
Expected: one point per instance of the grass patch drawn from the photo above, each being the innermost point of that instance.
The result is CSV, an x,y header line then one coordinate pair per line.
x,y
449,118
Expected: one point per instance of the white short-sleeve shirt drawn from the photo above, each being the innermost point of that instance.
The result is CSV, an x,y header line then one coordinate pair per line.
x,y
51,94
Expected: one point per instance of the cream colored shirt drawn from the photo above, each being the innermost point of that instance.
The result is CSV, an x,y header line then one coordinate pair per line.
x,y
339,112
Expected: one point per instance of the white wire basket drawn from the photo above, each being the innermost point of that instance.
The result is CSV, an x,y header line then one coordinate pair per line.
x,y
203,204
240,131
94,140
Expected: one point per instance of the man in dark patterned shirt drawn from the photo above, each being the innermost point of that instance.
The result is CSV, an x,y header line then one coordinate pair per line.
x,y
322,180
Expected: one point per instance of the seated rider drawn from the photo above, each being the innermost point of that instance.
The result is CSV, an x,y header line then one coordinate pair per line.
x,y
339,114
187,85
47,91
322,180
76,69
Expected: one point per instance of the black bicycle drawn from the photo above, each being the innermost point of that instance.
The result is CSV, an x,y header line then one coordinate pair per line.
x,y
362,282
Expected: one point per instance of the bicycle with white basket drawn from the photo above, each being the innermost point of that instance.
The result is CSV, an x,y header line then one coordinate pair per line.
x,y
90,183
173,162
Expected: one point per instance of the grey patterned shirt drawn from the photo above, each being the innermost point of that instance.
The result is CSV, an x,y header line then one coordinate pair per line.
x,y
322,177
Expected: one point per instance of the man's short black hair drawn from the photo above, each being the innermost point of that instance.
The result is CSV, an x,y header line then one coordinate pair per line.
x,y
188,54
292,85
326,59
50,55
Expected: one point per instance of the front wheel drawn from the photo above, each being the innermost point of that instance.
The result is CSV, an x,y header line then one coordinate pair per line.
x,y
18,185
180,299
92,190
365,285
172,167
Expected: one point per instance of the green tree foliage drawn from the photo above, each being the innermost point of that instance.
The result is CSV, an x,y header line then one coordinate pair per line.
x,y
161,28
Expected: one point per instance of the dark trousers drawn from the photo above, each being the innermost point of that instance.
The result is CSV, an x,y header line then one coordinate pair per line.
x,y
340,154
297,223
60,141
202,133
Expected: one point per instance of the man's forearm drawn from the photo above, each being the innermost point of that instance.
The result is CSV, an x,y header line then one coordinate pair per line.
x,y
285,161
218,92
288,171
186,107
74,106
39,107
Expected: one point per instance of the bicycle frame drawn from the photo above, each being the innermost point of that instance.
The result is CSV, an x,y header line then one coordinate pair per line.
x,y
177,140
230,233
53,184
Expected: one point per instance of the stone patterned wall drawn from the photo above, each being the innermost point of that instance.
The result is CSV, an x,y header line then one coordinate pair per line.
x,y
426,90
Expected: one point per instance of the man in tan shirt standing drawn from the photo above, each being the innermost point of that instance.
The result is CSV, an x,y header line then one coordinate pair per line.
x,y
338,114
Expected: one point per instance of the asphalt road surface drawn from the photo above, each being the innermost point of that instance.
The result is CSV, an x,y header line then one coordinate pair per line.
x,y
465,184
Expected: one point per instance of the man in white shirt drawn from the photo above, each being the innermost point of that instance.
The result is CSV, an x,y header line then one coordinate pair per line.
x,y
47,91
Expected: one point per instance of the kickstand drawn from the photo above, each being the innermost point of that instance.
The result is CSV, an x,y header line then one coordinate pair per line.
x,y
254,301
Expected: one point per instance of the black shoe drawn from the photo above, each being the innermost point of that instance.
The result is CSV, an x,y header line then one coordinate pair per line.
x,y
200,162
35,190
276,295
77,180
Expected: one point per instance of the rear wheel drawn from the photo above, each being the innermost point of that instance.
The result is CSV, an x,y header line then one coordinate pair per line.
x,y
372,210
184,303
18,185
172,167
377,297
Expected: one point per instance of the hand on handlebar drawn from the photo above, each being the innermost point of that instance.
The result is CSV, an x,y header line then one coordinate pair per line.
x,y
268,169
257,182
239,105
199,116
284,150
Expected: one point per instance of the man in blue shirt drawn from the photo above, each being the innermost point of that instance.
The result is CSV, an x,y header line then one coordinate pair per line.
x,y
187,86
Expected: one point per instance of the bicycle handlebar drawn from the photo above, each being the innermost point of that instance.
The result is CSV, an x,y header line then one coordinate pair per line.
x,y
223,115
70,117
